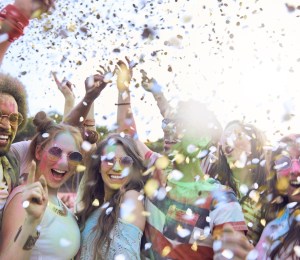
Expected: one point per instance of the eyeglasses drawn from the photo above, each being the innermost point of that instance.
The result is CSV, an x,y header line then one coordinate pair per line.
x,y
124,161
284,163
14,118
55,153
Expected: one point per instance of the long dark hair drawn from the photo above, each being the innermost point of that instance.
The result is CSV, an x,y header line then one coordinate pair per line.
x,y
94,190
276,200
221,169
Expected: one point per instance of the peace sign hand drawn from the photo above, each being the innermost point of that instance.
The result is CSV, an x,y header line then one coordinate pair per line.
x,y
35,196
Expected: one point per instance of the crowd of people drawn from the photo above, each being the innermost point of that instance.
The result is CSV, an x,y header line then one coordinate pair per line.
x,y
212,194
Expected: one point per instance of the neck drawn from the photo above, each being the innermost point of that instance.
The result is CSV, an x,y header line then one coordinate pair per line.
x,y
108,193
52,195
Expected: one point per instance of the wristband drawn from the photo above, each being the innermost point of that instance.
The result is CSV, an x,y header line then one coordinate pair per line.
x,y
121,104
12,22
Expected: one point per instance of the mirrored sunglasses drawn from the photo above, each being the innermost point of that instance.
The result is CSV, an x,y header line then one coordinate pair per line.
x,y
55,153
124,161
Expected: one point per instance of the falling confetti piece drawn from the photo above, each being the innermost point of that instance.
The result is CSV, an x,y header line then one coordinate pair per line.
x,y
86,146
194,246
109,210
162,163
25,204
166,251
228,254
45,135
151,187
217,245
263,222
64,242
96,203
120,257
147,246
80,168
252,255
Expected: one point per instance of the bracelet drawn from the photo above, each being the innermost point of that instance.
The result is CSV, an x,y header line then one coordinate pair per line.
x,y
122,104
12,22
89,122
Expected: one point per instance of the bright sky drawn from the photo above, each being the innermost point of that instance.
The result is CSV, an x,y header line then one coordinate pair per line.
x,y
240,57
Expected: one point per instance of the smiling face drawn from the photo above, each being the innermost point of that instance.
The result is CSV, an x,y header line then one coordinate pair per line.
x,y
116,167
288,168
236,144
8,132
57,169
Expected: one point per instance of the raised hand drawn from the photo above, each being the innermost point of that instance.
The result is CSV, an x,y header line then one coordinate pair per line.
x,y
124,74
94,85
231,242
150,85
64,86
33,8
35,196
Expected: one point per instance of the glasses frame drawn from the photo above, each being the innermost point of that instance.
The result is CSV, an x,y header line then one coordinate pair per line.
x,y
107,161
55,158
19,121
287,167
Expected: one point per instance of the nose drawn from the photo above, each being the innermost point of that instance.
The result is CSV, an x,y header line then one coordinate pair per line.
x,y
117,167
4,123
63,160
295,167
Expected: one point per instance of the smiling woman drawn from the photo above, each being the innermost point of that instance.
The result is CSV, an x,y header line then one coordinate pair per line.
x,y
40,218
113,183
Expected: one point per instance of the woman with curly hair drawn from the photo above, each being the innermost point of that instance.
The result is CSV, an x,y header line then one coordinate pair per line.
x,y
36,224
111,210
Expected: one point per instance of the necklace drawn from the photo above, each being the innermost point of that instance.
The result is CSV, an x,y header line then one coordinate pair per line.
x,y
60,210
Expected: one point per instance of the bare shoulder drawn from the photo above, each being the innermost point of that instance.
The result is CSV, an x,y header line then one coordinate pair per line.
x,y
137,208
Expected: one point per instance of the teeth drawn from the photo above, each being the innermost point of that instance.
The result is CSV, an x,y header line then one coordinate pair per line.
x,y
3,136
295,182
116,177
59,171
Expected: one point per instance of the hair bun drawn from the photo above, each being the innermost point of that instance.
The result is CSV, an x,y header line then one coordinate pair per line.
x,y
42,121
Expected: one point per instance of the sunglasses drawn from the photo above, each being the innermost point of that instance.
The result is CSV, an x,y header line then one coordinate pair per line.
x,y
14,118
55,153
124,161
284,163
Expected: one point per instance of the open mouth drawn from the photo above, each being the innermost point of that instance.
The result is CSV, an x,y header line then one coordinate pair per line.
x,y
4,139
295,184
116,177
58,174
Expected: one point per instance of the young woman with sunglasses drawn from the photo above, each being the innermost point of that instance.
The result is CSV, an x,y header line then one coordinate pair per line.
x,y
280,238
36,224
111,210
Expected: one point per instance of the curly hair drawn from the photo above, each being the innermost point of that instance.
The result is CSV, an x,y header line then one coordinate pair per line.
x,y
13,87
94,190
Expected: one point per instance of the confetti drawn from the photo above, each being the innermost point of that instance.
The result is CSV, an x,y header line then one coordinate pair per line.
x,y
25,204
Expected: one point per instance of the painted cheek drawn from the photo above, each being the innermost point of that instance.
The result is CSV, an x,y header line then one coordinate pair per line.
x,y
284,173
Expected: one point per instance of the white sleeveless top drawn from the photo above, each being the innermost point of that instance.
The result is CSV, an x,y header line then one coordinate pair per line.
x,y
59,235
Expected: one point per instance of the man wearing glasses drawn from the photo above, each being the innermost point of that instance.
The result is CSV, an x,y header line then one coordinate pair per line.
x,y
13,114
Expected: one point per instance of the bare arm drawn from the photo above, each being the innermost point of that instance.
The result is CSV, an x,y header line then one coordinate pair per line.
x,y
14,20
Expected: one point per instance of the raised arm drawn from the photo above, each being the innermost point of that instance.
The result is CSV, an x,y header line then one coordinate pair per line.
x,y
15,17
94,86
65,87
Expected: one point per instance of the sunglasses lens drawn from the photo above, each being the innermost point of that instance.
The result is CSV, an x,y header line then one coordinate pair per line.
x,y
54,153
126,161
13,118
75,157
282,163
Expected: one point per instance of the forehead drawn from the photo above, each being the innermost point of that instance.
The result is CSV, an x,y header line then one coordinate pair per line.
x,y
65,141
117,149
8,103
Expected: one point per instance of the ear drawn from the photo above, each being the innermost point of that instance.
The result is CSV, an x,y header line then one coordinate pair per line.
x,y
38,152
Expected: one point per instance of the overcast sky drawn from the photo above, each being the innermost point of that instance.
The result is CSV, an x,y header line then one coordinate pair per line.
x,y
240,57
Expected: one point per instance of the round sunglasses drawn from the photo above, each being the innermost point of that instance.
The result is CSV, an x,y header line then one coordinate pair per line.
x,y
13,118
55,153
124,161
284,163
